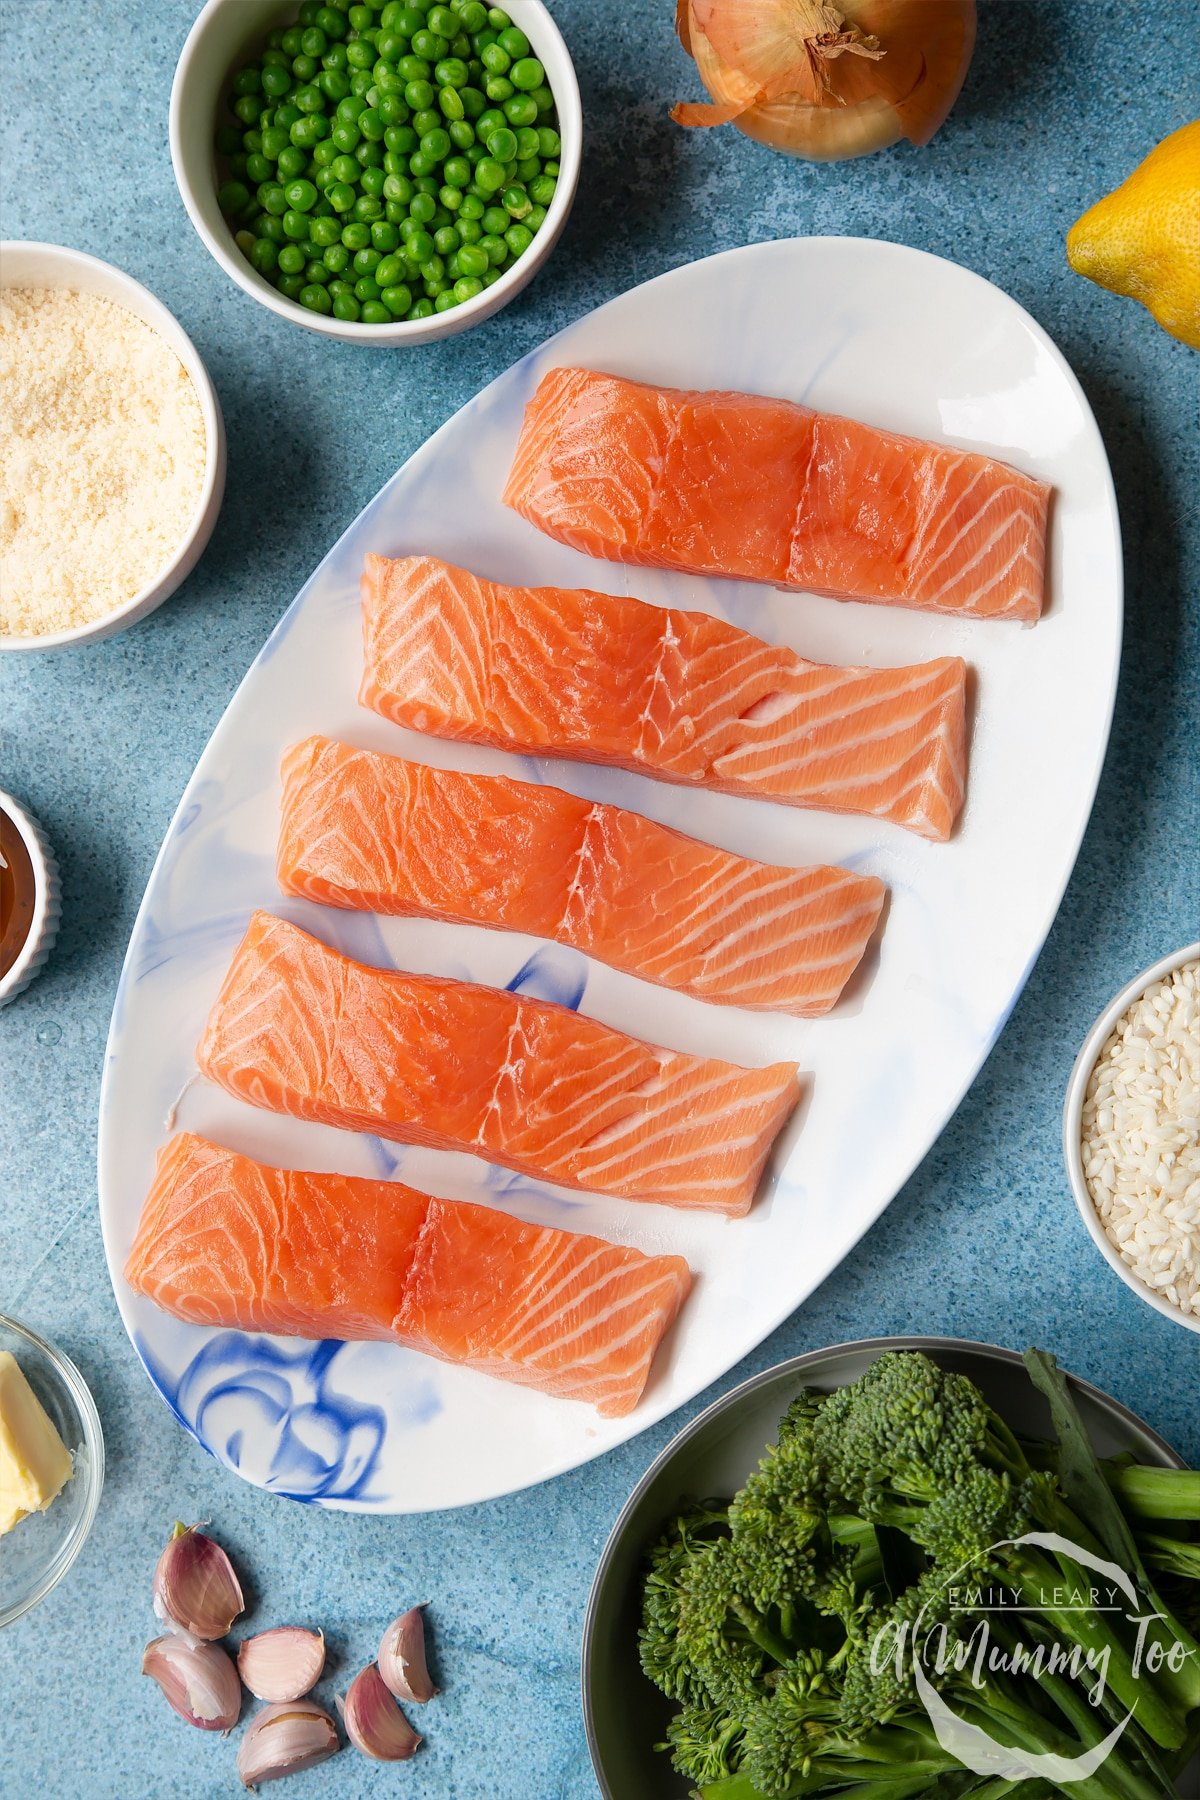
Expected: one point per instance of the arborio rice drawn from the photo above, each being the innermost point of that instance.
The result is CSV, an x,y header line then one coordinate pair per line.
x,y
1141,1137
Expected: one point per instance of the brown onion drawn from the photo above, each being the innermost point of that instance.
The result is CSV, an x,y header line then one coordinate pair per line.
x,y
827,82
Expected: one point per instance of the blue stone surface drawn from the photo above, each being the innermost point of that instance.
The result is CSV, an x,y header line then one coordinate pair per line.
x,y
984,1241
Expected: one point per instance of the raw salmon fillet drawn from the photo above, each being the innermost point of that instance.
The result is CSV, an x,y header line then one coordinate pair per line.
x,y
678,695
226,1241
389,836
764,490
300,1029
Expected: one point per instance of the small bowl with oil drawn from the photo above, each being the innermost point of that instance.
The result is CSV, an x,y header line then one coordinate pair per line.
x,y
29,905
39,1549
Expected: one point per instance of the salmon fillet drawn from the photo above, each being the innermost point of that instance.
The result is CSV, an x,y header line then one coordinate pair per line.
x,y
225,1241
384,835
300,1029
677,695
764,490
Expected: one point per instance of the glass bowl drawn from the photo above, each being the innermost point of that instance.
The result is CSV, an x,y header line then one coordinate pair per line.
x,y
36,1553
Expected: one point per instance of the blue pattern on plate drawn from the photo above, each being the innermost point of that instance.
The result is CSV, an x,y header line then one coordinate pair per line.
x,y
309,1442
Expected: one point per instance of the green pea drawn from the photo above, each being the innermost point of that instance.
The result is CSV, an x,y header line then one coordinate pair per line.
x,y
309,131
374,312
360,17
366,260
495,59
314,42
393,109
387,82
391,45
233,197
535,218
450,101
418,95
490,174
501,144
272,228
426,184
450,198
494,247
369,155
344,168
333,84
422,208
543,99
408,20
304,68
527,73
340,196
345,134
308,12
371,181
414,68
541,189
397,298
473,16
471,208
421,164
360,54
398,188
462,132
334,60
295,226
356,236
518,238
276,82
291,286
520,110
332,22
325,232
436,144
244,241
433,268
491,120
390,269
469,230
385,237
315,298
473,101
430,44
336,258
428,119
286,115
550,167
466,288
275,142
527,142
248,108
443,21
498,88
314,270
301,196
237,165
325,153
492,275
345,306
495,219
351,108
452,72
445,300
395,212
259,169
525,171
247,81
420,247
371,125
366,288
514,41
446,240
400,138
473,259
422,309
264,255
292,259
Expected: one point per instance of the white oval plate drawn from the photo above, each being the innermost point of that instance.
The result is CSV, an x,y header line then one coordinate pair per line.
x,y
886,334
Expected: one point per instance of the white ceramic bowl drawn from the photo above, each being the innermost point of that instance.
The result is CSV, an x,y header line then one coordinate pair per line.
x,y
40,1549
1081,1074
221,36
43,927
51,266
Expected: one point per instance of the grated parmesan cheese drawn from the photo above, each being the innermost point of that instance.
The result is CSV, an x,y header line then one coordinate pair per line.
x,y
102,457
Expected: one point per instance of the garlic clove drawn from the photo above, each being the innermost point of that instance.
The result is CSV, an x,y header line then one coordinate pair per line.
x,y
285,1739
199,1681
282,1664
195,1589
402,1658
374,1723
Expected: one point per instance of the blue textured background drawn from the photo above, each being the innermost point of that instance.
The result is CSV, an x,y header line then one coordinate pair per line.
x,y
1061,102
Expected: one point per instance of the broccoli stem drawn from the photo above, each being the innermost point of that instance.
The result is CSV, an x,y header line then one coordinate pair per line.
x,y
1145,1493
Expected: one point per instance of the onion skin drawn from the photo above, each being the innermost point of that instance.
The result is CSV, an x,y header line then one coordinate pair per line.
x,y
826,107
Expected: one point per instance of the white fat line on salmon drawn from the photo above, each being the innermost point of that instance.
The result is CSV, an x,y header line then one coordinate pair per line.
x,y
667,641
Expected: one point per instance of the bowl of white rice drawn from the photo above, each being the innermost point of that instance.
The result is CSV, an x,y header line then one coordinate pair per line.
x,y
1131,1135
114,460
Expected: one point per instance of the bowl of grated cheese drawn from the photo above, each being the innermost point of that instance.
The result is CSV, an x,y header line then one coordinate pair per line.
x,y
114,449
1131,1135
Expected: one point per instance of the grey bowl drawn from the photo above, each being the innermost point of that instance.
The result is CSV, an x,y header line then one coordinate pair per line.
x,y
624,1715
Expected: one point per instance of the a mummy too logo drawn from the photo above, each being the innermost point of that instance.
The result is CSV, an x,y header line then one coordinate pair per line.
x,y
1092,1630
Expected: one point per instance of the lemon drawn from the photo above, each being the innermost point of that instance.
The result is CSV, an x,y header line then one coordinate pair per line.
x,y
1143,239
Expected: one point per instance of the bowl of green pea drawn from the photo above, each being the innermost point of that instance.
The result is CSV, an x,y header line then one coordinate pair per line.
x,y
383,172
